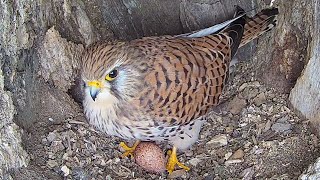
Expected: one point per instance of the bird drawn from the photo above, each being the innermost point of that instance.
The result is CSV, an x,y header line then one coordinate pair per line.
x,y
160,88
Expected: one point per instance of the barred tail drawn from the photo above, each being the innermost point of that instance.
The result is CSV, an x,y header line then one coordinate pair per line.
x,y
236,30
259,24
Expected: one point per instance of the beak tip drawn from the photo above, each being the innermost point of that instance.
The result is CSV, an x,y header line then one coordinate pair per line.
x,y
94,93
94,98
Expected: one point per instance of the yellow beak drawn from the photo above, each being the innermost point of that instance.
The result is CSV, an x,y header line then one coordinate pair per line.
x,y
94,88
96,84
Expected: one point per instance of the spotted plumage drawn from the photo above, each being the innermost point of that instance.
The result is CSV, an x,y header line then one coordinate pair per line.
x,y
160,88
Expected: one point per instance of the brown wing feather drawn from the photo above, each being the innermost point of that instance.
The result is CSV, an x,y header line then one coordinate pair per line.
x,y
187,78
187,75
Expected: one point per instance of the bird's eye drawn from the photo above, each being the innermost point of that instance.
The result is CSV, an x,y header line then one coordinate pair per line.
x,y
112,75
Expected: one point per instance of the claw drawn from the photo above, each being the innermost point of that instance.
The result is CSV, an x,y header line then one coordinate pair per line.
x,y
128,150
173,160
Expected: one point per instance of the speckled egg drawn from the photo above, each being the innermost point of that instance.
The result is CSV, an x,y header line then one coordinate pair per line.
x,y
150,157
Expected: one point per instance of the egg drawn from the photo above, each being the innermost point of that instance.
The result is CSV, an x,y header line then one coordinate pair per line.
x,y
150,157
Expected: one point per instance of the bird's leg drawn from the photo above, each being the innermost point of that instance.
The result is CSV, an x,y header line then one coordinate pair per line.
x,y
173,160
128,150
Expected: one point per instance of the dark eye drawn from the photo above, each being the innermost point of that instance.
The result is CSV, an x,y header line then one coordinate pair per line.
x,y
113,74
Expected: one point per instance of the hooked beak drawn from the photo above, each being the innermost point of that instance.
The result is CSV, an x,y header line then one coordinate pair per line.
x,y
94,89
94,92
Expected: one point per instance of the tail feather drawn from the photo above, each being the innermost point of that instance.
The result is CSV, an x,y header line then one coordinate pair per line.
x,y
236,30
259,24
254,27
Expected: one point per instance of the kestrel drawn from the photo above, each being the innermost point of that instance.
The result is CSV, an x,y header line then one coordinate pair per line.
x,y
161,88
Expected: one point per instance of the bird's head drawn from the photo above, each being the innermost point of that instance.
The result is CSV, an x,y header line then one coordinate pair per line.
x,y
109,74
105,87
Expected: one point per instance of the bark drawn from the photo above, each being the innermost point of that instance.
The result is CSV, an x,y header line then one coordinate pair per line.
x,y
305,96
280,60
12,154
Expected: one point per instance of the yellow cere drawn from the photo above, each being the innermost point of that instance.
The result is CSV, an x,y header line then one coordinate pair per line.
x,y
96,84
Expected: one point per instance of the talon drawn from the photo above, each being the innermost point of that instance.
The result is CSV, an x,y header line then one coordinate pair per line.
x,y
173,160
128,150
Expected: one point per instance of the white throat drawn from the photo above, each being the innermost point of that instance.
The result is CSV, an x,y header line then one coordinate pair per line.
x,y
100,112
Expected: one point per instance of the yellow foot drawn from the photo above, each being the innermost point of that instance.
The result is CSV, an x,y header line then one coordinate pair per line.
x,y
128,150
173,160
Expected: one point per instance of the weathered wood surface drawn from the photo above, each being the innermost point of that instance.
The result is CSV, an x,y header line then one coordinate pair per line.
x,y
279,61
305,96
